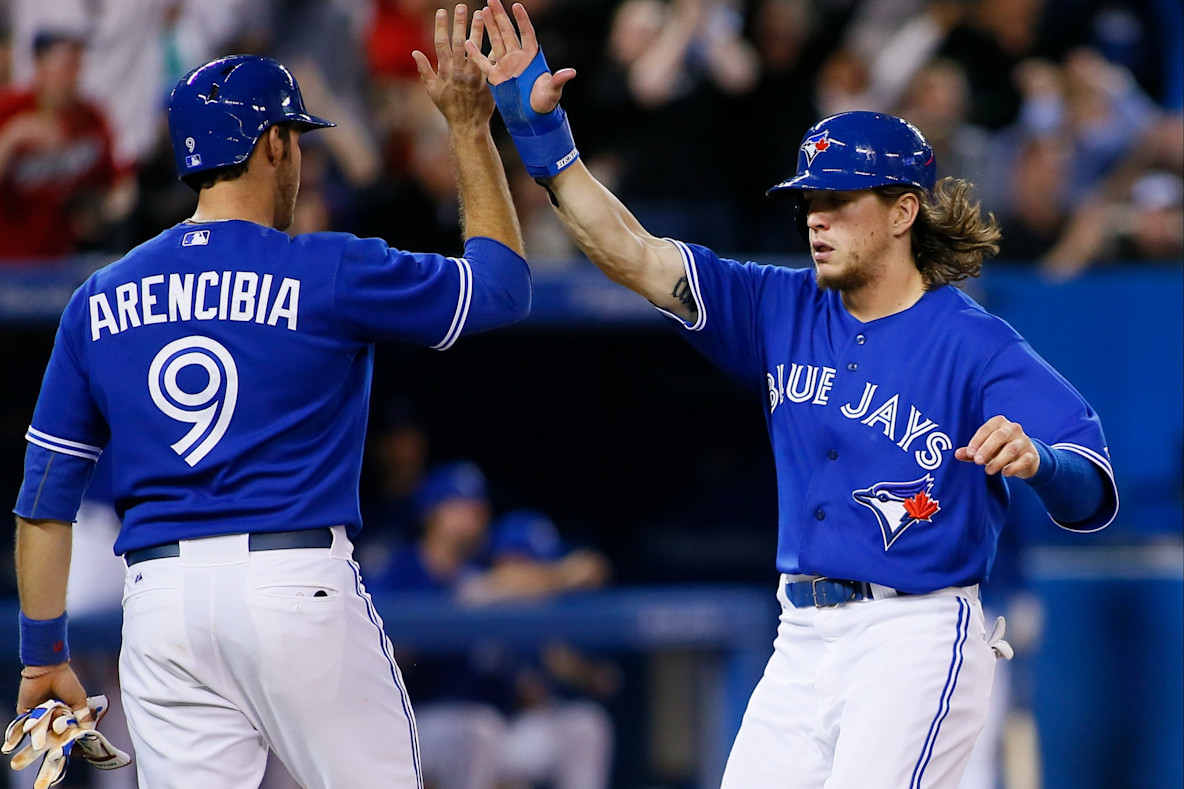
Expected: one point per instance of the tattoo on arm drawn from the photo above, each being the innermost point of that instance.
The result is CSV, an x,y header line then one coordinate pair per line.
x,y
682,292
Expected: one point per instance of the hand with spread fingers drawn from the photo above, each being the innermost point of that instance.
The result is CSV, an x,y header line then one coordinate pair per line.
x,y
456,85
1002,446
511,54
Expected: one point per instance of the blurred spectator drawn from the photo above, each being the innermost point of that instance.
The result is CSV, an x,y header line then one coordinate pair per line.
x,y
397,450
1146,223
417,209
1094,105
937,102
496,715
989,41
136,50
59,186
771,119
661,106
889,42
1032,209
1136,212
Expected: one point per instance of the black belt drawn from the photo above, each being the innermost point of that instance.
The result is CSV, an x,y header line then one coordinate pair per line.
x,y
823,592
257,541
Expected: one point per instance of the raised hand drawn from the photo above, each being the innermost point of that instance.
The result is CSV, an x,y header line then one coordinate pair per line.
x,y
456,85
510,54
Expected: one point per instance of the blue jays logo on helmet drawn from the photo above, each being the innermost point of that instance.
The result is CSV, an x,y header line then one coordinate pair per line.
x,y
815,144
218,111
863,150
898,505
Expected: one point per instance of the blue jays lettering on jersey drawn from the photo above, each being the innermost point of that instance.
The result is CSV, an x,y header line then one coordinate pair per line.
x,y
888,402
228,354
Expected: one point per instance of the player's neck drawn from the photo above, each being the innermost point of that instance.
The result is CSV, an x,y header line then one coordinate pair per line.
x,y
898,287
236,199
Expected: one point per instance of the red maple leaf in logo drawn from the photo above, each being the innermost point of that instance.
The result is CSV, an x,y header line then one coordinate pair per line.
x,y
921,507
822,145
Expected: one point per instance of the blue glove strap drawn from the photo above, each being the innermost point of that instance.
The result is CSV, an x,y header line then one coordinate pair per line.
x,y
543,141
43,641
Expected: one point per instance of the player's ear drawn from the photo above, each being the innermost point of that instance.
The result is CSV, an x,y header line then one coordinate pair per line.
x,y
905,212
274,145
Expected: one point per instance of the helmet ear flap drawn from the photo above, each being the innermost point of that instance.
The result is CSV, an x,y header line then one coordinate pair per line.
x,y
800,212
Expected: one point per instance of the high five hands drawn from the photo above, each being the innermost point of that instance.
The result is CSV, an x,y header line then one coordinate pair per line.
x,y
509,55
456,86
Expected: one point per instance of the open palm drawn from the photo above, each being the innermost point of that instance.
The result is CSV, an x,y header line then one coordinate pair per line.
x,y
509,55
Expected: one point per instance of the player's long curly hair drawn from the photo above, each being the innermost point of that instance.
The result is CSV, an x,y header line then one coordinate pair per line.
x,y
951,237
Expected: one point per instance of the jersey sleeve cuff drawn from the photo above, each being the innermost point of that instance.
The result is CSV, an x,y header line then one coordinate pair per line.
x,y
692,272
1109,511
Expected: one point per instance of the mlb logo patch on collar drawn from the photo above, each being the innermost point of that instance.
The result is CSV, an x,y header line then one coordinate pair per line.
x,y
815,144
196,238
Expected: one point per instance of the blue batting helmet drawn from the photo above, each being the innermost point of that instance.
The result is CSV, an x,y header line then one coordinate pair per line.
x,y
859,150
218,111
862,150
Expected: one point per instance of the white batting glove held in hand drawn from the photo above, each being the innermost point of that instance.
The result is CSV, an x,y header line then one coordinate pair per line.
x,y
56,732
36,724
995,640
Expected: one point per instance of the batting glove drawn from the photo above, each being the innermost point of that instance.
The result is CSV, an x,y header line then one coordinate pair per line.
x,y
55,733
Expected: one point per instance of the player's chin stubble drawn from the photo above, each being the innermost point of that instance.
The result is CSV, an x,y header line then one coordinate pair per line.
x,y
847,278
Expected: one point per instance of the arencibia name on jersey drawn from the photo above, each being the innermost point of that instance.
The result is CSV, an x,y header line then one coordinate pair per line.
x,y
211,295
808,383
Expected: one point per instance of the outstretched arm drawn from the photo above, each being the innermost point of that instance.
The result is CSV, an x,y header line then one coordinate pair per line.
x,y
458,90
597,221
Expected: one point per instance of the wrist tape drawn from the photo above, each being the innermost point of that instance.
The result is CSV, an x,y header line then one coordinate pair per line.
x,y
543,141
43,641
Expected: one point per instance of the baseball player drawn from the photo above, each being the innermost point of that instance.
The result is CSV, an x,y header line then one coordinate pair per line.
x,y
224,368
899,411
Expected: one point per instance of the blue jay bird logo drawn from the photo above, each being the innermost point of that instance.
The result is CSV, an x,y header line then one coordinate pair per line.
x,y
815,144
898,505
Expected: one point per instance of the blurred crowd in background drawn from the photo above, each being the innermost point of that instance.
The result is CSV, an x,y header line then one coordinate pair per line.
x,y
1065,113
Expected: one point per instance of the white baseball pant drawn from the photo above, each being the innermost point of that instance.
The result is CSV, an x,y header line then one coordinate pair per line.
x,y
228,653
873,693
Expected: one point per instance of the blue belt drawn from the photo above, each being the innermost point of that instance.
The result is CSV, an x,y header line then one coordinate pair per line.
x,y
823,592
257,541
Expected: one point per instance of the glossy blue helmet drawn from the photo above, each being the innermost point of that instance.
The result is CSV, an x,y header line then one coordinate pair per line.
x,y
218,111
860,150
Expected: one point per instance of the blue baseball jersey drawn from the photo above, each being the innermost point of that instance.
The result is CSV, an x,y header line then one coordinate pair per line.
x,y
223,369
864,419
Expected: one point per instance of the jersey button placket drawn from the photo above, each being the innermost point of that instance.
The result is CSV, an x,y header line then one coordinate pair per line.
x,y
860,339
819,515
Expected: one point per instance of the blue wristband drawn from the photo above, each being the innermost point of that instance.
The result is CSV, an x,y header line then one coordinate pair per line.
x,y
43,641
543,141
